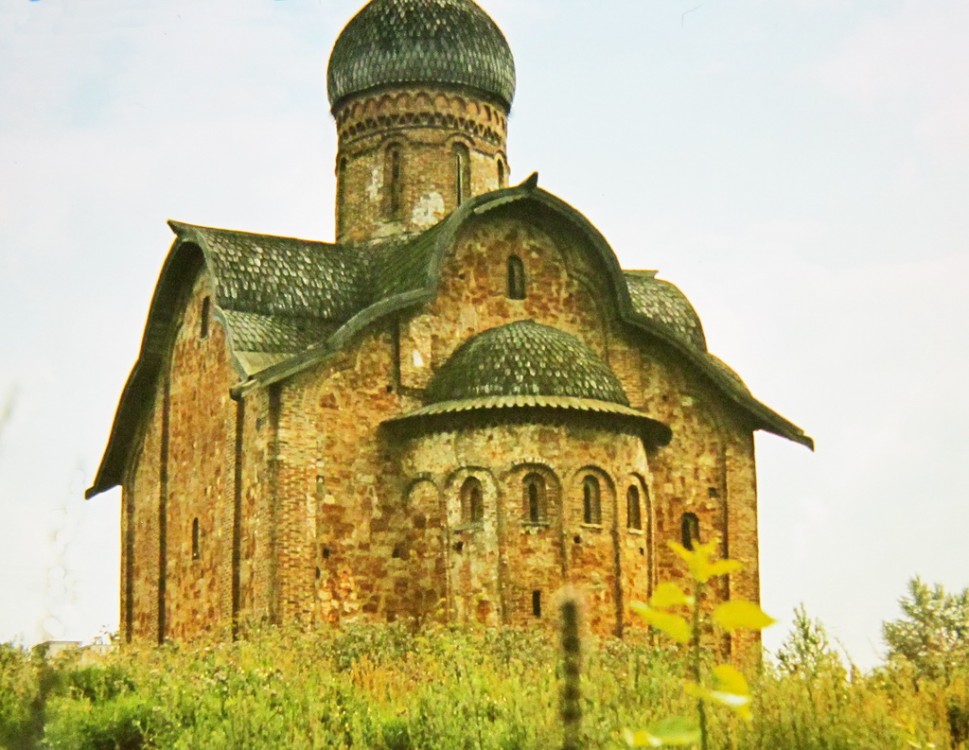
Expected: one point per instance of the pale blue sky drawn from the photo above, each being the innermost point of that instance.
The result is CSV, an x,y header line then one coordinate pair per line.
x,y
799,169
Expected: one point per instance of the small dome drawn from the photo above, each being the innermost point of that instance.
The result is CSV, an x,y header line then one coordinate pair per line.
x,y
525,359
396,42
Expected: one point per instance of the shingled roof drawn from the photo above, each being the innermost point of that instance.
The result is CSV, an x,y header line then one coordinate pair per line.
x,y
398,42
525,359
288,304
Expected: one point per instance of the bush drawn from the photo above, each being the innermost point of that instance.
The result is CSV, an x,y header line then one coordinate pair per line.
x,y
19,696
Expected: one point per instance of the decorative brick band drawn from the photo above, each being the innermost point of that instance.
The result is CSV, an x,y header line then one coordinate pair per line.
x,y
410,108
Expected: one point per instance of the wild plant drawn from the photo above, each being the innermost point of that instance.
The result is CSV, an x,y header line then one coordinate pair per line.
x,y
725,685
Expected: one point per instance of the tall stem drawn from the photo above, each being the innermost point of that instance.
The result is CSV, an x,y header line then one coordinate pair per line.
x,y
570,707
700,707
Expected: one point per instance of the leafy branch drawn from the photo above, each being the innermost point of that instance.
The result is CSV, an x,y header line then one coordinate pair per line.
x,y
725,686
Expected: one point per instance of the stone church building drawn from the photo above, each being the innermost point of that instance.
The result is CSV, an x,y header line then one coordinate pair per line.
x,y
456,408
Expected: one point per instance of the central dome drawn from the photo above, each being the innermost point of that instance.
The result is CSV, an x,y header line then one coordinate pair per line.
x,y
400,42
525,359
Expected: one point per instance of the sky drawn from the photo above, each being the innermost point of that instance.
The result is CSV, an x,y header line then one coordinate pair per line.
x,y
799,169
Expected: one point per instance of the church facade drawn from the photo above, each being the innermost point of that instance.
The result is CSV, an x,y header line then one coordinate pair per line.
x,y
457,408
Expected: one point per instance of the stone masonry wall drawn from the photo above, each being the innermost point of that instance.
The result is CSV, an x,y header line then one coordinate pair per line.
x,y
182,478
506,568
425,127
140,530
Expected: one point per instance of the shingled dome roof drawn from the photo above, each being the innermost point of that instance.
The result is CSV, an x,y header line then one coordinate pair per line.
x,y
525,359
394,42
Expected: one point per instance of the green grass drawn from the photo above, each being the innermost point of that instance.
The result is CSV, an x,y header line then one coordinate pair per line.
x,y
385,688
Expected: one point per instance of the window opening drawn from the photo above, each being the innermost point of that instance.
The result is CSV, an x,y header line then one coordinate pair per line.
x,y
516,278
591,501
690,530
634,517
196,540
341,186
535,498
501,173
395,181
462,173
472,501
537,603
206,313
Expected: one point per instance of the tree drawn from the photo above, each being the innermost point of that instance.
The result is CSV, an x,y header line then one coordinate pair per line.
x,y
933,636
807,651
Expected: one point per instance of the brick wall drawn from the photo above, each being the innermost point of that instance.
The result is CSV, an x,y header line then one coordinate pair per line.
x,y
180,486
424,127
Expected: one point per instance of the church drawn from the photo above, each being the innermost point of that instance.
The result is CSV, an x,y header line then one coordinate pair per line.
x,y
457,408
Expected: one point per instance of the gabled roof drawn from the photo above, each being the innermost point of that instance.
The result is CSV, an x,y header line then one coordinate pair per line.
x,y
288,304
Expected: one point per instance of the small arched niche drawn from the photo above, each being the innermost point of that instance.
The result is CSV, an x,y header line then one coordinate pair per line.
x,y
472,501
516,278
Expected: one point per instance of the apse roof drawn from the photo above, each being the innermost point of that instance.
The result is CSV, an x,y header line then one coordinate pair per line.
x,y
440,42
525,359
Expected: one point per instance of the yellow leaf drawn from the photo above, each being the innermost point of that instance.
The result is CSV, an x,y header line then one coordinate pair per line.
x,y
724,567
669,595
673,625
739,703
741,614
698,560
730,679
670,733
684,554
731,690
642,738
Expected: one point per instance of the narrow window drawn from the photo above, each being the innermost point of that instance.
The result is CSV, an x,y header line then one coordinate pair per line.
x,y
690,528
537,603
395,181
462,173
591,501
634,516
341,187
535,498
206,314
501,173
196,551
516,278
472,501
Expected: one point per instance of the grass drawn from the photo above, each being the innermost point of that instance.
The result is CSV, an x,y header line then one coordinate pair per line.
x,y
386,688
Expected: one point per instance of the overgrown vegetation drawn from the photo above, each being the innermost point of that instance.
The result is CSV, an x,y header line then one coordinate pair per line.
x,y
386,688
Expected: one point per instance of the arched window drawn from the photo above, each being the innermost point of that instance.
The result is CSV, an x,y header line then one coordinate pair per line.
x,y
634,513
205,315
535,502
591,501
196,540
394,180
501,173
341,187
516,278
472,501
690,528
462,173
